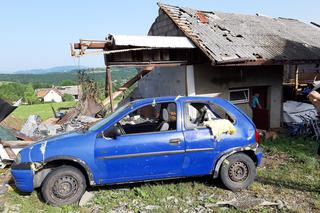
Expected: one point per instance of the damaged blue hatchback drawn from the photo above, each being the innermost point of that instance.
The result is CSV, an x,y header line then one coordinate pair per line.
x,y
149,139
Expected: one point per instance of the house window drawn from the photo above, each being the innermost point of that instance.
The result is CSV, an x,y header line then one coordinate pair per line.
x,y
239,96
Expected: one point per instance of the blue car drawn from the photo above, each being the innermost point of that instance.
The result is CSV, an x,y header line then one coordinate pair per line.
x,y
148,139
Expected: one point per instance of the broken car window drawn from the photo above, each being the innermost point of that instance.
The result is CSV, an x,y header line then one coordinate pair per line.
x,y
197,113
150,118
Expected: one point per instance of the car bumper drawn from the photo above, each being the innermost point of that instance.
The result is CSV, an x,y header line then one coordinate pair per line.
x,y
259,155
23,176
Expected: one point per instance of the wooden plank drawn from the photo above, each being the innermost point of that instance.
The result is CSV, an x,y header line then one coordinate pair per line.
x,y
92,45
16,144
128,84
109,80
10,153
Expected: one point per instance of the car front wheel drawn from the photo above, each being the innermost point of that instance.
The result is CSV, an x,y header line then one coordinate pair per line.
x,y
64,185
237,172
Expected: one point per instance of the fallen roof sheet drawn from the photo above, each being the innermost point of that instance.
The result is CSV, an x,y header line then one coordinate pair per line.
x,y
5,109
233,37
153,41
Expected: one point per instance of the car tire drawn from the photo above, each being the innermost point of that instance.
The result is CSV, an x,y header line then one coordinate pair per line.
x,y
237,172
64,185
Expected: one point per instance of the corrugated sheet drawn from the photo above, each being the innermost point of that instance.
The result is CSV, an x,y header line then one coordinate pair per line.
x,y
153,41
229,36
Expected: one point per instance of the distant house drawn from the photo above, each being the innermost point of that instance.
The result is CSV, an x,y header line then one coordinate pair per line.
x,y
75,91
49,95
56,94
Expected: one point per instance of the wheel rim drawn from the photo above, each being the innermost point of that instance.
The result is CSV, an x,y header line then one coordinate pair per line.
x,y
65,187
238,172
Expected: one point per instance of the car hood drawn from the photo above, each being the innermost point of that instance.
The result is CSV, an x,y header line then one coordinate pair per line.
x,y
64,144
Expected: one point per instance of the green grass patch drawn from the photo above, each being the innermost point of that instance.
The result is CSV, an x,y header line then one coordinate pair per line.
x,y
43,110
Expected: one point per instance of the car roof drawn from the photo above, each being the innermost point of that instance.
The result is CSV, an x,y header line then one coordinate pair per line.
x,y
174,99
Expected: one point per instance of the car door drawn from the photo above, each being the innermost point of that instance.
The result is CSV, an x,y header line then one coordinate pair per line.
x,y
140,156
200,146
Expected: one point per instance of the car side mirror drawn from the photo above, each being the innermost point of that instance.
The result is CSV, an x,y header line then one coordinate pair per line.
x,y
112,132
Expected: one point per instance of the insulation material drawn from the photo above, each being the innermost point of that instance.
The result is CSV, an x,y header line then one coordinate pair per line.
x,y
219,127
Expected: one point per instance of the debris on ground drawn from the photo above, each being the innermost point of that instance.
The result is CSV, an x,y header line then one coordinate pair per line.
x,y
5,179
243,204
86,197
30,127
12,122
12,140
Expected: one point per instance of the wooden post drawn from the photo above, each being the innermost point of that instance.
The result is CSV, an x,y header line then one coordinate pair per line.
x,y
108,87
296,79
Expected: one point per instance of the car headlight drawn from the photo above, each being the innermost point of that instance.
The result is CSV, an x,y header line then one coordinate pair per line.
x,y
18,159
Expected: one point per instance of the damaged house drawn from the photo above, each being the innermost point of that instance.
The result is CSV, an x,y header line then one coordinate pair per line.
x,y
190,52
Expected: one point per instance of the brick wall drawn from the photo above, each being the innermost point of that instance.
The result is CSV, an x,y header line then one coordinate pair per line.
x,y
164,26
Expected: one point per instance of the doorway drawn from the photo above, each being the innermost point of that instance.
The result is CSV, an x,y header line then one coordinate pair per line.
x,y
261,117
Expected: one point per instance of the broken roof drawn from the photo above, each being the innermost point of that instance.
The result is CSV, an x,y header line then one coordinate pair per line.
x,y
72,90
235,38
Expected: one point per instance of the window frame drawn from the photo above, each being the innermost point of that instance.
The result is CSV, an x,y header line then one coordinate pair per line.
x,y
155,132
241,101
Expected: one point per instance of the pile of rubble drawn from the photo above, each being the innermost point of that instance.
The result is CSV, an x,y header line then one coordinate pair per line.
x,y
34,129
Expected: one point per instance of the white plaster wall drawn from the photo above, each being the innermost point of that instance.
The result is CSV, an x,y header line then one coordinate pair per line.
x,y
52,96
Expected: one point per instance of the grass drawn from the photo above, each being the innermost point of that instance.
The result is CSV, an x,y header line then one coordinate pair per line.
x,y
43,110
289,173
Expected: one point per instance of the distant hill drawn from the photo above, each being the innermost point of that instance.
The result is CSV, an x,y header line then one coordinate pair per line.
x,y
49,70
55,78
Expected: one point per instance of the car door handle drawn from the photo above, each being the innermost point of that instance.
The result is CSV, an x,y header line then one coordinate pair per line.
x,y
175,141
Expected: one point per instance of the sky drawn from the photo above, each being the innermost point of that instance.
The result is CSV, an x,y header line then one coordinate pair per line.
x,y
36,33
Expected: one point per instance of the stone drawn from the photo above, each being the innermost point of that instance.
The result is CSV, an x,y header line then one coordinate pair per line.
x,y
87,196
151,207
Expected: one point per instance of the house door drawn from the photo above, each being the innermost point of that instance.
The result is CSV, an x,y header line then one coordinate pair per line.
x,y
261,117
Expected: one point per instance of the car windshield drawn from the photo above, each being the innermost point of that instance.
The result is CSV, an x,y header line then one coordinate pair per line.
x,y
104,121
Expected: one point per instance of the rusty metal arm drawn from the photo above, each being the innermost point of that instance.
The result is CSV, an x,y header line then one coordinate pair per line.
x,y
85,44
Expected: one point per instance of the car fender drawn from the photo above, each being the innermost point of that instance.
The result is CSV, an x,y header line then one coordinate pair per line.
x,y
43,172
228,153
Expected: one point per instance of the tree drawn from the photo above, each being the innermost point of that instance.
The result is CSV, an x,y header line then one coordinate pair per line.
x,y
12,91
67,83
29,94
68,97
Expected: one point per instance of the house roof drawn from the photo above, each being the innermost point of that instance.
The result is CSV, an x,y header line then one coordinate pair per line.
x,y
41,93
72,90
236,38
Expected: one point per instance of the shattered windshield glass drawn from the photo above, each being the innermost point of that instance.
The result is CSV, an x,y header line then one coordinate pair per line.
x,y
109,118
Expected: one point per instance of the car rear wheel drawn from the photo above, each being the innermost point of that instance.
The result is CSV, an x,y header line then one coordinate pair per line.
x,y
237,172
64,185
